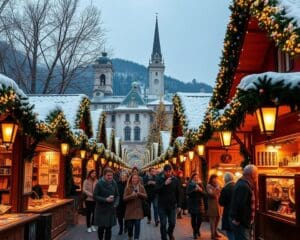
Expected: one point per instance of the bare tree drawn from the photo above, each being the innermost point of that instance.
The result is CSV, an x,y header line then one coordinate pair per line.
x,y
53,35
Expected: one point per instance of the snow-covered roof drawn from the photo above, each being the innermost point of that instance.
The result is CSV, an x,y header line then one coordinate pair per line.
x,y
96,115
110,99
108,135
155,150
195,106
165,138
68,103
291,79
125,108
157,102
117,141
292,9
8,82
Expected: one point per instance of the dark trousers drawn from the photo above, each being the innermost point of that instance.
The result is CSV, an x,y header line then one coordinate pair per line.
x,y
122,224
153,202
196,220
90,209
104,231
136,224
240,232
166,215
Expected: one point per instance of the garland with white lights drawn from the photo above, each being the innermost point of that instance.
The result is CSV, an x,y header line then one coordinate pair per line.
x,y
84,116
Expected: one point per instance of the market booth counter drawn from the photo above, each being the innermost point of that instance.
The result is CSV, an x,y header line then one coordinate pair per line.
x,y
279,207
48,191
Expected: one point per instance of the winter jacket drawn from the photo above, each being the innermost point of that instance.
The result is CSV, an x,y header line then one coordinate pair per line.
x,y
122,204
213,209
150,188
88,188
240,208
134,207
168,195
195,200
105,211
225,201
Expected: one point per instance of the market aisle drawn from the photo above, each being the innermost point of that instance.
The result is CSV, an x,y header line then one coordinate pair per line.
x,y
148,231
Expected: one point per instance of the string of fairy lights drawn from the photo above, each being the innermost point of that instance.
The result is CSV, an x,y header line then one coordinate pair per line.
x,y
56,124
220,115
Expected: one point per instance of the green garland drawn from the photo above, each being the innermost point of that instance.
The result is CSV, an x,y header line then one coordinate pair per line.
x,y
101,136
84,115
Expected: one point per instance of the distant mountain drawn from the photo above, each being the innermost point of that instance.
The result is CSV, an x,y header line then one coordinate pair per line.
x,y
125,72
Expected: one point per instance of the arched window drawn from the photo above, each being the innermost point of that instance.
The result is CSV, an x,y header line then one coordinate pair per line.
x,y
102,80
137,134
127,131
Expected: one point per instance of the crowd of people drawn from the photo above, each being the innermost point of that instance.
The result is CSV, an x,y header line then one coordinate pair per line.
x,y
127,198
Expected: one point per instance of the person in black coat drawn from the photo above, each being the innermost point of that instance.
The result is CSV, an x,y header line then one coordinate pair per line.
x,y
150,186
122,205
168,200
196,193
225,201
242,209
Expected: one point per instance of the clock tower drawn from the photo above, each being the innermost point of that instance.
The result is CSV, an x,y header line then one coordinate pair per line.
x,y
156,67
103,84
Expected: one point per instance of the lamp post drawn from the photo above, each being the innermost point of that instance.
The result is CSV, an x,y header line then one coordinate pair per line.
x,y
200,149
64,147
267,117
9,129
225,137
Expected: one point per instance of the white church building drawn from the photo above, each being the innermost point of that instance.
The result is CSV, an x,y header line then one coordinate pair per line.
x,y
131,116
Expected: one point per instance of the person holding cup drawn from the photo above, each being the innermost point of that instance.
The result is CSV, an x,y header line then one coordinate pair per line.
x,y
134,194
106,196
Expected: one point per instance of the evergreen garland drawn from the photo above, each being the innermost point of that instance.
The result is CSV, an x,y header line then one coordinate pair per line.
x,y
84,116
112,142
101,136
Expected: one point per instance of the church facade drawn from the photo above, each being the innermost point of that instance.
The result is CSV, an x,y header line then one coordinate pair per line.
x,y
131,116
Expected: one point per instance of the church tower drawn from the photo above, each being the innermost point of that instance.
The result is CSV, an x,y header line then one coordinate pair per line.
x,y
156,67
103,84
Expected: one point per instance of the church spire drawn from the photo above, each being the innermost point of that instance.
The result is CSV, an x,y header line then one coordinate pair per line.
x,y
156,52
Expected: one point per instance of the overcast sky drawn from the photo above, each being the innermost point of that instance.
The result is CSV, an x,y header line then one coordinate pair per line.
x,y
191,33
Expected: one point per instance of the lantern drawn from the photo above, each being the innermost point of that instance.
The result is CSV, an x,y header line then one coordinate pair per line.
x,y
200,149
191,155
9,130
174,160
181,158
225,137
266,117
64,147
110,163
95,156
82,153
103,161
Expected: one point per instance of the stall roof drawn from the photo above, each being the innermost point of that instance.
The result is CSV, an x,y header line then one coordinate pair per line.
x,y
68,103
289,79
165,138
8,82
96,116
292,9
195,106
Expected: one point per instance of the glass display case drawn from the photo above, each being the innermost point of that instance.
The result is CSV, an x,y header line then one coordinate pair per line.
x,y
279,196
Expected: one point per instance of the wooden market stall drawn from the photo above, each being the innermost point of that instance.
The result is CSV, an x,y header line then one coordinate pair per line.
x,y
16,120
258,81
54,192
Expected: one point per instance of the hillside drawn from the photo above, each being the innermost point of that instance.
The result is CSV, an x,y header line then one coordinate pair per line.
x,y
126,71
